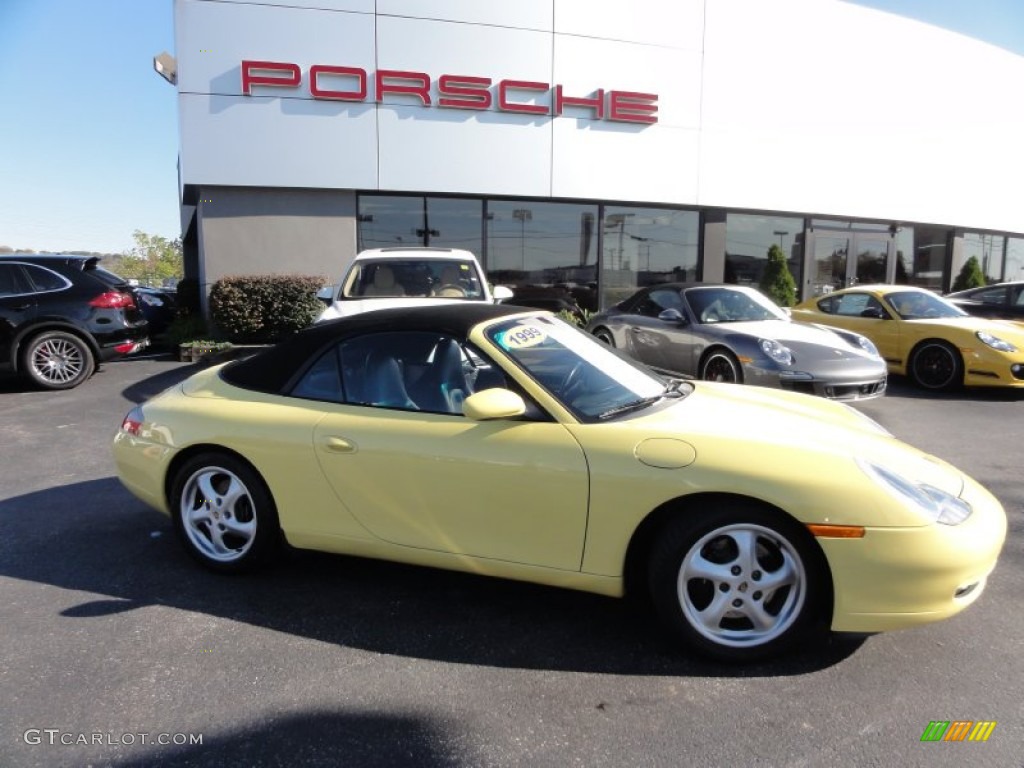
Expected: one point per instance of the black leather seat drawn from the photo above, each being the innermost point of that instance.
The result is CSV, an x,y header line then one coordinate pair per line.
x,y
442,387
384,384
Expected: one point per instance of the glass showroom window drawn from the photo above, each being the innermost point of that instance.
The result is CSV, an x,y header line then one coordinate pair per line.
x,y
387,221
921,256
543,250
748,240
1014,259
646,246
988,250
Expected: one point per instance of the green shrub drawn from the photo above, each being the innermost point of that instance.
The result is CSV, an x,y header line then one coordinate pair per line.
x,y
264,308
185,327
970,276
777,282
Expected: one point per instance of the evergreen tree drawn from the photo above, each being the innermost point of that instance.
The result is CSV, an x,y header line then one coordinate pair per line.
x,y
970,276
777,281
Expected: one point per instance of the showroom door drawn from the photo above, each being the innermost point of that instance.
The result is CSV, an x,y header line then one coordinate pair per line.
x,y
845,258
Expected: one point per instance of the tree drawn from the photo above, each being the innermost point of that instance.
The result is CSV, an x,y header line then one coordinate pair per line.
x,y
777,281
152,259
970,276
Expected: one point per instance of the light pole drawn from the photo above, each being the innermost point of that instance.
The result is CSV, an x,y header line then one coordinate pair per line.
x,y
522,215
780,233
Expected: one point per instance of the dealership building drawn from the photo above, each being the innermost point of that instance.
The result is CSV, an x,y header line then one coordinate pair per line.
x,y
591,147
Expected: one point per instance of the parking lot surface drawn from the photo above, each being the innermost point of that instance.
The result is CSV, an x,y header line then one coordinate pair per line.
x,y
112,641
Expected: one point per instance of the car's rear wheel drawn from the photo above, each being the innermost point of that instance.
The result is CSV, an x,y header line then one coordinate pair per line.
x,y
937,366
603,334
57,360
224,513
721,365
740,584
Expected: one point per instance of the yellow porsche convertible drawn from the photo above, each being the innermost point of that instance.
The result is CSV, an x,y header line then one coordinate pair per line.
x,y
923,336
503,442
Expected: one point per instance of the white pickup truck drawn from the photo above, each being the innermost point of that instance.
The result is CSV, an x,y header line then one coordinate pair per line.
x,y
406,277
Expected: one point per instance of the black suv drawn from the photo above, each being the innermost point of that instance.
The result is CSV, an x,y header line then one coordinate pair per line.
x,y
60,316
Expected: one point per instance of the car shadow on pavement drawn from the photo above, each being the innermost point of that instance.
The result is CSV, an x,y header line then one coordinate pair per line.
x,y
366,604
317,739
901,386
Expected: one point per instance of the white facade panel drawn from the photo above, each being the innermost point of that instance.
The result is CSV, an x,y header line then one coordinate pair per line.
x,y
599,161
464,152
274,142
522,14
583,65
216,37
672,23
439,48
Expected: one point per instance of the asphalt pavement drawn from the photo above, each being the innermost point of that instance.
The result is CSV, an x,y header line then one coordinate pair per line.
x,y
112,640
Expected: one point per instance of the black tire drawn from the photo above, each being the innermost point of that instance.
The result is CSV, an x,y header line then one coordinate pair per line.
x,y
721,365
604,335
232,525
57,360
705,598
937,366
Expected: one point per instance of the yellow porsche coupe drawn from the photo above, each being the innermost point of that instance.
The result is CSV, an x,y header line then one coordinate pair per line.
x,y
925,337
508,443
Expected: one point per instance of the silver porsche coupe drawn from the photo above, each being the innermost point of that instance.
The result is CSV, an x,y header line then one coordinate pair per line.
x,y
734,333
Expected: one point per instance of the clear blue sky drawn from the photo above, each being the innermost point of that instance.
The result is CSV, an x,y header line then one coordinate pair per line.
x,y
88,131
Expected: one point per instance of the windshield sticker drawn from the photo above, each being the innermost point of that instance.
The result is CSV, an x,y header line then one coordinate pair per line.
x,y
523,336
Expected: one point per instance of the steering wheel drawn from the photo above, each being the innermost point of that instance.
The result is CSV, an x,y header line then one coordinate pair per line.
x,y
450,290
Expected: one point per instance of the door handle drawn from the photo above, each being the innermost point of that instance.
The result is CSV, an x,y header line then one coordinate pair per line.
x,y
336,444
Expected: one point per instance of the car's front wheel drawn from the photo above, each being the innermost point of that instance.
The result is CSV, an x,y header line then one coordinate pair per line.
x,y
936,365
223,512
721,365
604,335
739,584
57,360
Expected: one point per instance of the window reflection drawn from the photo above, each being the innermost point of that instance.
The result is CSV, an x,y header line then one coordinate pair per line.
x,y
1014,259
388,221
646,246
921,256
543,250
748,240
989,251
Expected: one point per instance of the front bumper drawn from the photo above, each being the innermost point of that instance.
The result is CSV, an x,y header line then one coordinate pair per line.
x,y
836,382
895,578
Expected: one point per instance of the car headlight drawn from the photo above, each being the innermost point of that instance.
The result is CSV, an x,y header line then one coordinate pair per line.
x,y
776,351
937,505
995,342
868,346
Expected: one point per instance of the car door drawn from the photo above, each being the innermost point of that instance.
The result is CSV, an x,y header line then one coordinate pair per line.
x,y
508,490
17,307
656,342
863,313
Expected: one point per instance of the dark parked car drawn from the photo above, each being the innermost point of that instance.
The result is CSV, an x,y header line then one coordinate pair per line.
x,y
61,316
158,305
1001,301
734,334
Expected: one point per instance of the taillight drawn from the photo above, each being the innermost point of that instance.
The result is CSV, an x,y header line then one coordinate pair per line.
x,y
133,421
113,300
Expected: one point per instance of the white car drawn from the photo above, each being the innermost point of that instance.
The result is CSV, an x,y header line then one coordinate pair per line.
x,y
408,277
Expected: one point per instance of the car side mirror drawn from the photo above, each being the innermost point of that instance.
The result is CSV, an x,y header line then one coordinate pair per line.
x,y
672,316
496,403
502,293
873,312
326,294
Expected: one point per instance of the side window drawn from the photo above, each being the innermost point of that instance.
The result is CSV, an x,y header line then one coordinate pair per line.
x,y
657,301
11,281
44,279
1019,301
992,296
828,305
322,381
411,371
857,304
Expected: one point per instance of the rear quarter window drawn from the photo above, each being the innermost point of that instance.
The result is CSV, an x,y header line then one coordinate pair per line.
x,y
44,280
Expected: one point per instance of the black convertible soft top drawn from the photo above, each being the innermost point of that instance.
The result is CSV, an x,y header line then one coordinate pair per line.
x,y
271,369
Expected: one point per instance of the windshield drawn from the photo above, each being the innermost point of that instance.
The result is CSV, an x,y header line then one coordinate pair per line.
x,y
920,305
396,278
731,305
584,375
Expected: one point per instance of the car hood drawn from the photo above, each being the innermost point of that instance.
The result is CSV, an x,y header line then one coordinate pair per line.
x,y
358,306
792,424
797,336
1007,330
